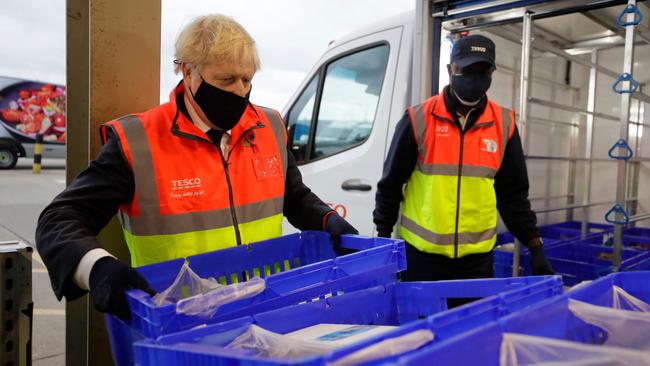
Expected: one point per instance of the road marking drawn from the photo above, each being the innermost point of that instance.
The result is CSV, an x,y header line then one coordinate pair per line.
x,y
55,312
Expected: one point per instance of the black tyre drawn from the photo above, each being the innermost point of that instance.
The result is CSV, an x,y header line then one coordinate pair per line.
x,y
8,157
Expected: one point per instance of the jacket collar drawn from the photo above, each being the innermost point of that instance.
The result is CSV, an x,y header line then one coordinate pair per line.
x,y
182,125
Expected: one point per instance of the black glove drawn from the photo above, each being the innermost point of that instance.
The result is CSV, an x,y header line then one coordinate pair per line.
x,y
538,262
109,278
384,234
337,226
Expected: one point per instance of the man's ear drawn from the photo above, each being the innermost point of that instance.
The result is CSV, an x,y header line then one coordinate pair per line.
x,y
187,72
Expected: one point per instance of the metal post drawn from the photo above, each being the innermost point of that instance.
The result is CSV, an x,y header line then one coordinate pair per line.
x,y
624,133
573,164
524,89
589,141
552,130
524,81
633,206
16,298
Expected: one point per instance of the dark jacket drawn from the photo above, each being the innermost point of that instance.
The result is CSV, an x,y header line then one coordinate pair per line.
x,y
510,182
67,227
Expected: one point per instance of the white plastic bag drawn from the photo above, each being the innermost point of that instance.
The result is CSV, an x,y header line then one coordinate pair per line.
x,y
520,350
263,343
187,283
387,347
625,301
629,329
207,304
201,297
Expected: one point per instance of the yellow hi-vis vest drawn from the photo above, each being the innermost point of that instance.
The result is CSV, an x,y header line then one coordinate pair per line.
x,y
449,202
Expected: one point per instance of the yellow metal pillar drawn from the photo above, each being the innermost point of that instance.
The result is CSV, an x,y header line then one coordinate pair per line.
x,y
113,69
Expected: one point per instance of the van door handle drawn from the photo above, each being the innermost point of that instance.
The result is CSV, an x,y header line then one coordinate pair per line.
x,y
355,185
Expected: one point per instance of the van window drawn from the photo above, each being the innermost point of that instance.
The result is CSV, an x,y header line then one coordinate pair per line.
x,y
349,100
299,121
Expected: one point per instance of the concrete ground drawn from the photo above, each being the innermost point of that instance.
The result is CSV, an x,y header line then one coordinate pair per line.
x,y
23,195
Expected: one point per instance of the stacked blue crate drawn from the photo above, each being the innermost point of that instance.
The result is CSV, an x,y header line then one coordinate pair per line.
x,y
550,319
297,268
412,306
579,259
553,234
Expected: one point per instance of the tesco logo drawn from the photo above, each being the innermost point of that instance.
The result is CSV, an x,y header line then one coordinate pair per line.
x,y
186,183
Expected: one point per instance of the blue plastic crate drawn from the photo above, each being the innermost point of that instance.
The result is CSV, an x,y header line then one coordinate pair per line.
x,y
629,241
550,318
298,267
411,305
576,260
592,227
552,234
638,231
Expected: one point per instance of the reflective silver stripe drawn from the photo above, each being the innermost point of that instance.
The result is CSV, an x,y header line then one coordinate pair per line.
x,y
146,188
201,220
278,129
419,128
505,124
452,170
447,239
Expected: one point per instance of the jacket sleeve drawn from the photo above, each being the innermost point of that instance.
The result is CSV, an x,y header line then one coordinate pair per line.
x,y
511,187
302,207
68,226
398,167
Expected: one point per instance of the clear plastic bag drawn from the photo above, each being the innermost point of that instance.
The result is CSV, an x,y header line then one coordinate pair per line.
x,y
207,304
186,284
387,347
520,350
623,300
625,328
263,343
202,297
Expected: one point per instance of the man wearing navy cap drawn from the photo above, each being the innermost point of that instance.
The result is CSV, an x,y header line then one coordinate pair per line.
x,y
461,159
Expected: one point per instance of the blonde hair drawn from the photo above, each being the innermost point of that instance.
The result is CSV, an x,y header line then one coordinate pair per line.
x,y
215,37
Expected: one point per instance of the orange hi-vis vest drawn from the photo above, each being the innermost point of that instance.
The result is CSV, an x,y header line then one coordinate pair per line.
x,y
189,198
449,202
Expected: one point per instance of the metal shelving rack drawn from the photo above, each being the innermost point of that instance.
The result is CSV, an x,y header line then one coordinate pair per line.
x,y
485,15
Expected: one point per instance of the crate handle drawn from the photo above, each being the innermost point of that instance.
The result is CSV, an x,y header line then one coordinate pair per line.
x,y
617,209
621,143
634,85
630,9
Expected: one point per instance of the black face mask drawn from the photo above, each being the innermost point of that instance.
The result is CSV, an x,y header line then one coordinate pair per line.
x,y
469,89
222,108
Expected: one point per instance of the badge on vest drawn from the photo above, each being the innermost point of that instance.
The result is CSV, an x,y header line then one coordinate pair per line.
x,y
185,188
267,167
490,146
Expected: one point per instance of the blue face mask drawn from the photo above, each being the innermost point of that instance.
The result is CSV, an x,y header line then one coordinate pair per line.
x,y
470,89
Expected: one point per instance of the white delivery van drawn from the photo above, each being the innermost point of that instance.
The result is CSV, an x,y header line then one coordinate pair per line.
x,y
341,119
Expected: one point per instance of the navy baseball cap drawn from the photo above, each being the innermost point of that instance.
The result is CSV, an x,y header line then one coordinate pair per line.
x,y
472,49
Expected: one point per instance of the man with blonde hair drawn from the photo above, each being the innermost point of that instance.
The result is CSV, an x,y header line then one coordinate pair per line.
x,y
205,171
